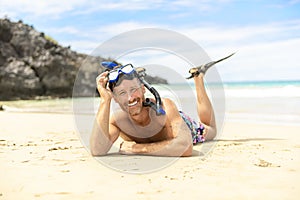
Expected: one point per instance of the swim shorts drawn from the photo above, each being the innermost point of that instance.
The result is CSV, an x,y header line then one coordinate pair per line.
x,y
197,129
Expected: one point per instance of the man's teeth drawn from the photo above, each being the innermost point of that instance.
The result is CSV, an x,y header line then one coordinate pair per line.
x,y
133,103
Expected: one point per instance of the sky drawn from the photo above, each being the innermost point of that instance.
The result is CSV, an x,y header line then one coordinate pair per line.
x,y
265,34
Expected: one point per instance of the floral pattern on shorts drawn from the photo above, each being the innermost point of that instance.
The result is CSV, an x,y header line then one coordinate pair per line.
x,y
197,129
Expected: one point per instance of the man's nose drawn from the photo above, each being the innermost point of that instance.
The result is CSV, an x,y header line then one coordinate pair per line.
x,y
130,96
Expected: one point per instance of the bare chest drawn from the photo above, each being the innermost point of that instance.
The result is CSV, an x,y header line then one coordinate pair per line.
x,y
158,129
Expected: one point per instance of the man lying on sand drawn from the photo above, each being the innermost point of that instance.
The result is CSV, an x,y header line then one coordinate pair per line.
x,y
143,131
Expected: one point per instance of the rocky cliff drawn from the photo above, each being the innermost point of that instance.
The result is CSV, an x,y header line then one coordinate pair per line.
x,y
34,66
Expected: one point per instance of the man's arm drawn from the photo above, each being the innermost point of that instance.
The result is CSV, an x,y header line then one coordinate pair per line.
x,y
104,133
179,145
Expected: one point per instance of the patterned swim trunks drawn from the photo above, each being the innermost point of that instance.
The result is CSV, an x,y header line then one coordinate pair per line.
x,y
197,129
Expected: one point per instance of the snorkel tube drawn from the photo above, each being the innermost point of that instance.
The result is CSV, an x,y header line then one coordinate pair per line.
x,y
141,72
156,106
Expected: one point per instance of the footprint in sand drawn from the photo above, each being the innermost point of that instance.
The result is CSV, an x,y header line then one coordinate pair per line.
x,y
58,148
263,163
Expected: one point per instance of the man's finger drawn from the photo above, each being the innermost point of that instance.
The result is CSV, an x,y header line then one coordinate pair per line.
x,y
102,79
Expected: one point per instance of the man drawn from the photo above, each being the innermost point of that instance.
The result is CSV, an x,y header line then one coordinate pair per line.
x,y
144,132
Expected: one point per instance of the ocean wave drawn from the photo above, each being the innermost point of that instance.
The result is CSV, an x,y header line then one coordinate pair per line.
x,y
246,92
263,118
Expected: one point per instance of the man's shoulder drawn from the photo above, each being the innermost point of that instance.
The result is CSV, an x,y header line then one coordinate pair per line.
x,y
168,102
170,106
117,116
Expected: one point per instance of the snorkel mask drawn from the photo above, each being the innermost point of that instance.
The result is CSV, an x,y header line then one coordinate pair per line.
x,y
116,69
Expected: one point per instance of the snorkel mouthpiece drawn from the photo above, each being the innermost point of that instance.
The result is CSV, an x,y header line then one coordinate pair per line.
x,y
157,107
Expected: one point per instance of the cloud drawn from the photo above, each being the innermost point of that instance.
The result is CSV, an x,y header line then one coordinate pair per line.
x,y
293,2
93,37
266,61
217,40
264,52
36,8
263,48
66,30
56,8
214,35
284,4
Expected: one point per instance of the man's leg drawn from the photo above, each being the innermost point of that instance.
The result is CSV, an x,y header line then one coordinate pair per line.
x,y
204,108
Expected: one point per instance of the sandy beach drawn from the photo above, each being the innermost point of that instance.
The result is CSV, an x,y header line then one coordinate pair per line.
x,y
52,58
41,157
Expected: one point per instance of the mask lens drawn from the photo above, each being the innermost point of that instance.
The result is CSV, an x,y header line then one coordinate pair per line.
x,y
127,69
113,75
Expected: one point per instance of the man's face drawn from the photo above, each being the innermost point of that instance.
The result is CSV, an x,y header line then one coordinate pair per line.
x,y
130,96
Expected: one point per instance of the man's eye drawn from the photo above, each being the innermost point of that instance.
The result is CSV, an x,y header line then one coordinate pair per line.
x,y
133,90
122,93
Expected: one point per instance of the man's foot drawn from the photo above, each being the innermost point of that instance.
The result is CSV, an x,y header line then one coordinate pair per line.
x,y
203,68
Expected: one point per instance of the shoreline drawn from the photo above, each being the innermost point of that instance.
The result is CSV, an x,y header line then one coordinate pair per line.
x,y
43,158
231,117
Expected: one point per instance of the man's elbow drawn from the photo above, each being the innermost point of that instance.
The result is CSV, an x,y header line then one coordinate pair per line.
x,y
97,152
186,147
188,151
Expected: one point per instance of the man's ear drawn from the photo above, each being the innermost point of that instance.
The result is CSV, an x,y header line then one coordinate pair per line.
x,y
143,88
114,97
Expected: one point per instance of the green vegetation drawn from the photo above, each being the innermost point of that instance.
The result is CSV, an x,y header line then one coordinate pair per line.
x,y
50,39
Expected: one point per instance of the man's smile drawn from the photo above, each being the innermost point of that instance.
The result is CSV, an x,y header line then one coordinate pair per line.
x,y
133,103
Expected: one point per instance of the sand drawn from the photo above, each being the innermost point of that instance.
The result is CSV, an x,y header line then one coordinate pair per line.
x,y
41,157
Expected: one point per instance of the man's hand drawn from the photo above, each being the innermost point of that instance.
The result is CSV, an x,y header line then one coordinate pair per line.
x,y
126,147
101,82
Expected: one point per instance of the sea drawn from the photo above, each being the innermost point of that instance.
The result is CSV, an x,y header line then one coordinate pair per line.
x,y
265,102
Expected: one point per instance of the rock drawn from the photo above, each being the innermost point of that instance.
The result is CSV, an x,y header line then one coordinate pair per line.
x,y
32,66
6,51
19,80
155,80
5,30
